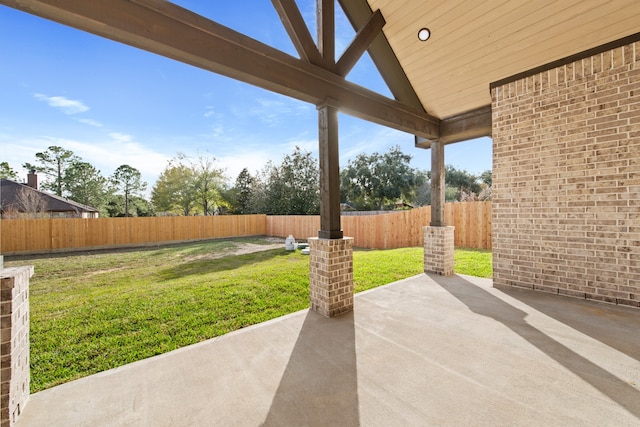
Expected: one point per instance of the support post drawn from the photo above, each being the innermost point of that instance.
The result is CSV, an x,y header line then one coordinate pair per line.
x,y
330,227
437,184
438,238
14,345
331,263
331,260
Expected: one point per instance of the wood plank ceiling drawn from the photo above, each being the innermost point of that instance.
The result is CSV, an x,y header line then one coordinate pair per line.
x,y
475,43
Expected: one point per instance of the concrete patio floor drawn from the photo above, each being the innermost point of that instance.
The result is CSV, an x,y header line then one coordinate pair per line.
x,y
425,351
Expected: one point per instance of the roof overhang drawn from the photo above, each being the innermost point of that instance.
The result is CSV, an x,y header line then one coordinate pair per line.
x,y
476,43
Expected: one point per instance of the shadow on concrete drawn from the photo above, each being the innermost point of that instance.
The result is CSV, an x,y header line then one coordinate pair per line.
x,y
596,320
320,383
484,303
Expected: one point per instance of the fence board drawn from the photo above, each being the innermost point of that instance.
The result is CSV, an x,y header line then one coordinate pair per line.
x,y
385,231
396,229
67,234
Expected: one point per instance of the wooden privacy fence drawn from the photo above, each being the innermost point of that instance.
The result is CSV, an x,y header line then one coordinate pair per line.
x,y
396,229
64,234
391,230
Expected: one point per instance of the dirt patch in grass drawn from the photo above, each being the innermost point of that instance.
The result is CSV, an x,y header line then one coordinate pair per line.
x,y
108,270
238,249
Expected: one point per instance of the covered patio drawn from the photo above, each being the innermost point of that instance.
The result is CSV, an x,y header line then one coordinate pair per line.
x,y
428,350
555,83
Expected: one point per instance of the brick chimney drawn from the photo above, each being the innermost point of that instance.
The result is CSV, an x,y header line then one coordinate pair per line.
x,y
32,179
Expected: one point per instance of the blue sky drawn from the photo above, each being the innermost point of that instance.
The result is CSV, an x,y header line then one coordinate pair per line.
x,y
112,104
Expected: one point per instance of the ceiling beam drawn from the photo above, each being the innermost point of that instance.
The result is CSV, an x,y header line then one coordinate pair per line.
x,y
462,127
169,30
361,42
298,31
385,60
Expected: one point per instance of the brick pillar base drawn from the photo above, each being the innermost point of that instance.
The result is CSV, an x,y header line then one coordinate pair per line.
x,y
438,250
14,343
331,275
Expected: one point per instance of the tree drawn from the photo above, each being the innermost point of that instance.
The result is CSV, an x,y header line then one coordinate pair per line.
x,y
175,190
461,185
30,203
484,193
258,200
84,184
190,185
208,182
292,188
7,172
461,180
378,180
422,190
141,207
127,180
53,162
487,177
242,192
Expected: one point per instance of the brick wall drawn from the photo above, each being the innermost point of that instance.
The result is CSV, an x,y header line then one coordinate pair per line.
x,y
566,179
14,357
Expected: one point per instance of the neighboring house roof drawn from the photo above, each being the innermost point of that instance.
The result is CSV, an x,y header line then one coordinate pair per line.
x,y
401,203
9,199
347,206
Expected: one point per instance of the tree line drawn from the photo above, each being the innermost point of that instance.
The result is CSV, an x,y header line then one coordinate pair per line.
x,y
67,175
198,185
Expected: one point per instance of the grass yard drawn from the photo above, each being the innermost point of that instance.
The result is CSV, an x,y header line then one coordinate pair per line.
x,y
95,311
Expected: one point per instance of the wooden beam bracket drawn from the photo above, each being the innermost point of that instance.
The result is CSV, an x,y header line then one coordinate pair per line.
x,y
462,127
361,42
298,32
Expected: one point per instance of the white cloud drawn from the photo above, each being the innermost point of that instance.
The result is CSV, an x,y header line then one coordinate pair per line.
x,y
17,151
305,144
273,112
378,139
89,122
217,131
254,161
106,154
120,137
210,112
218,128
67,106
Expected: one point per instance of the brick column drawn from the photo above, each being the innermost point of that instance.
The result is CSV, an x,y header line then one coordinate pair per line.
x,y
331,275
14,344
438,250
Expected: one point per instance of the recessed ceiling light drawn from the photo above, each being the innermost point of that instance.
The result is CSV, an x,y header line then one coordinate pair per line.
x,y
424,34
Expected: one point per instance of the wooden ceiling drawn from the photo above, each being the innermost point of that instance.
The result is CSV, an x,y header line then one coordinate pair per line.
x,y
476,42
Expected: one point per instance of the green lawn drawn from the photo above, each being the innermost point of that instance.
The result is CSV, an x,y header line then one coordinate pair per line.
x,y
95,311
